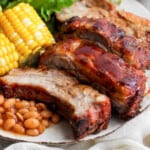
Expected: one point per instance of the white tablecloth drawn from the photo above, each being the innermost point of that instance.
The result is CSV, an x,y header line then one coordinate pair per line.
x,y
134,135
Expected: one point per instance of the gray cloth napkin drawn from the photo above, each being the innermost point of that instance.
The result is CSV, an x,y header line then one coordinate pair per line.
x,y
146,3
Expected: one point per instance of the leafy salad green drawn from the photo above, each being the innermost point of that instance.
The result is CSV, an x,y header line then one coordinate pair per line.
x,y
45,8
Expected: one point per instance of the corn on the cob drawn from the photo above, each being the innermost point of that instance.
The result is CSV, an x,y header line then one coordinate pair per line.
x,y
25,29
8,55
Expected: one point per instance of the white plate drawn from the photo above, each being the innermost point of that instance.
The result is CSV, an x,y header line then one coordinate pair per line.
x,y
62,133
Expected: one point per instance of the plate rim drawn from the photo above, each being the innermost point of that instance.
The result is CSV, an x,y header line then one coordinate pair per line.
x,y
10,140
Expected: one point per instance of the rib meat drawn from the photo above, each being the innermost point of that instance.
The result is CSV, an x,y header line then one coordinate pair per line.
x,y
86,109
84,8
112,37
105,71
133,25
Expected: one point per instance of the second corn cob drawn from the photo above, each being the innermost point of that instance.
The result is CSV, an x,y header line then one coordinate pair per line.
x,y
8,55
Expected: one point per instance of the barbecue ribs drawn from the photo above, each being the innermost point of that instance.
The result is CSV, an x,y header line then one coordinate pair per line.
x,y
112,37
133,25
105,71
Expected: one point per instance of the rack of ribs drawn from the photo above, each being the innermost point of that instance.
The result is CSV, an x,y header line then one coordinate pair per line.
x,y
113,38
132,24
105,71
86,109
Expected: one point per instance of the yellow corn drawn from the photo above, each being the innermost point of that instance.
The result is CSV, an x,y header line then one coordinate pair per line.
x,y
8,55
25,29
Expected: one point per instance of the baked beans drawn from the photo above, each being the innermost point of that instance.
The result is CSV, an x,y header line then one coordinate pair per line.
x,y
25,117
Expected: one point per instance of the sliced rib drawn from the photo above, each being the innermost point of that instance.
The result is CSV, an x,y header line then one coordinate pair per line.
x,y
84,8
105,71
132,24
112,37
86,109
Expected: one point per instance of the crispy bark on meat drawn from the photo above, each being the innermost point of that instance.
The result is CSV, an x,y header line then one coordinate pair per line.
x,y
84,8
86,109
105,71
105,4
112,37
133,25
